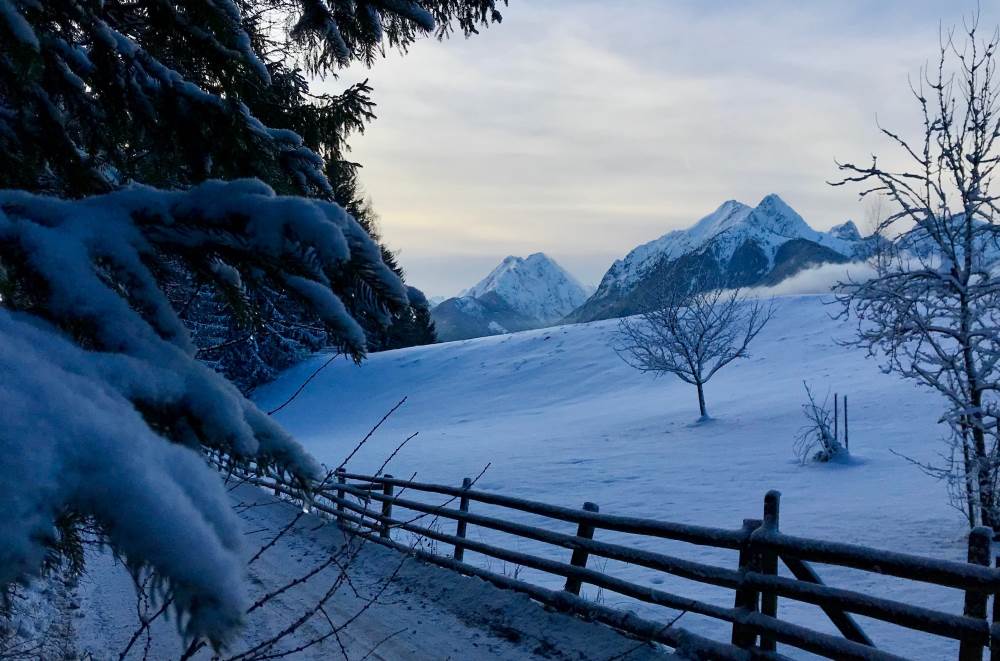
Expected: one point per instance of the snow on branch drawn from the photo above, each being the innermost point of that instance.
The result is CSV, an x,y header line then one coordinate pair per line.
x,y
112,407
78,443
97,262
175,93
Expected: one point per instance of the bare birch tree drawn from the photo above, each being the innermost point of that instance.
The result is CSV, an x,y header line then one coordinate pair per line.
x,y
692,334
932,311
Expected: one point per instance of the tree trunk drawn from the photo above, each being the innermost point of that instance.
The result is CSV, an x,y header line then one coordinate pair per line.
x,y
701,400
985,472
968,470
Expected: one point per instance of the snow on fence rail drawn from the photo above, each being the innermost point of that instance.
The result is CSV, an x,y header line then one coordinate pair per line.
x,y
756,585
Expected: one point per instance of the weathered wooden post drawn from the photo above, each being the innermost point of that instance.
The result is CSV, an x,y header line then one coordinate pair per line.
x,y
579,559
341,495
768,561
387,490
836,416
847,442
995,647
746,598
976,600
463,506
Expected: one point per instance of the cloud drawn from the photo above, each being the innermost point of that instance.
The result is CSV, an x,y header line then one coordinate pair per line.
x,y
585,128
818,280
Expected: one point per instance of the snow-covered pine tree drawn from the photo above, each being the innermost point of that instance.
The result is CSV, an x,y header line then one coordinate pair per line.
x,y
104,398
411,326
95,95
126,115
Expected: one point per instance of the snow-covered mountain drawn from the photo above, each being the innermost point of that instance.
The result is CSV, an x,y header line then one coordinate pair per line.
x,y
536,286
738,244
463,317
520,293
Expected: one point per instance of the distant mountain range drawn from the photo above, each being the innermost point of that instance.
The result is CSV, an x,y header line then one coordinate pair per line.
x,y
735,245
519,294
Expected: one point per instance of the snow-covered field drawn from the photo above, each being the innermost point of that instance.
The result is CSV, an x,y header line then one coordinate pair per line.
x,y
560,418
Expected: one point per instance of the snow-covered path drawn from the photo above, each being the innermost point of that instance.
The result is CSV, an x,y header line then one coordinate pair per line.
x,y
424,612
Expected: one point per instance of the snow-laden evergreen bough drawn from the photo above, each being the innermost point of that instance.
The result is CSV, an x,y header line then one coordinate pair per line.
x,y
107,408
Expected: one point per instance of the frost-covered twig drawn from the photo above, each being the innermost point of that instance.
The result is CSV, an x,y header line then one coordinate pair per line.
x,y
305,383
371,432
816,440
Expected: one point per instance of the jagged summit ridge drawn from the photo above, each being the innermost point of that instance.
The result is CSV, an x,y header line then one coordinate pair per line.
x,y
739,244
771,223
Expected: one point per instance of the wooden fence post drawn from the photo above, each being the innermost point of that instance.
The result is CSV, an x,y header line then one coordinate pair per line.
x,y
836,416
746,598
340,495
387,490
579,558
976,600
847,440
768,564
463,506
994,647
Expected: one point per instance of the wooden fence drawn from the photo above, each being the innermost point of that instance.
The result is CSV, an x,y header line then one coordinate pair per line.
x,y
370,506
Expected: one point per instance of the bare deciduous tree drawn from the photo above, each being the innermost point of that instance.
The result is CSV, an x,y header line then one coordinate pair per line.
x,y
932,311
692,334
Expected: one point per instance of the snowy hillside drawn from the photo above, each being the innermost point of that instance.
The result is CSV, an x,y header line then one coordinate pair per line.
x,y
560,418
536,286
744,244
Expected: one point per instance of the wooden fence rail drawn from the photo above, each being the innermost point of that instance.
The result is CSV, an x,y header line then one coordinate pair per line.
x,y
375,506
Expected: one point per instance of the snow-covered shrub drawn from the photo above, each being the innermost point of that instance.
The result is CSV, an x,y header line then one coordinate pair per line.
x,y
816,440
106,407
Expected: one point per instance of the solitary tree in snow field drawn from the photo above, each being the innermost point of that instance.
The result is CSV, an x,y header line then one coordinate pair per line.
x,y
692,334
933,308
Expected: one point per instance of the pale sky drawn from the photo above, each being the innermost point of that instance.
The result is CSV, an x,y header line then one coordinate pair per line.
x,y
582,128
